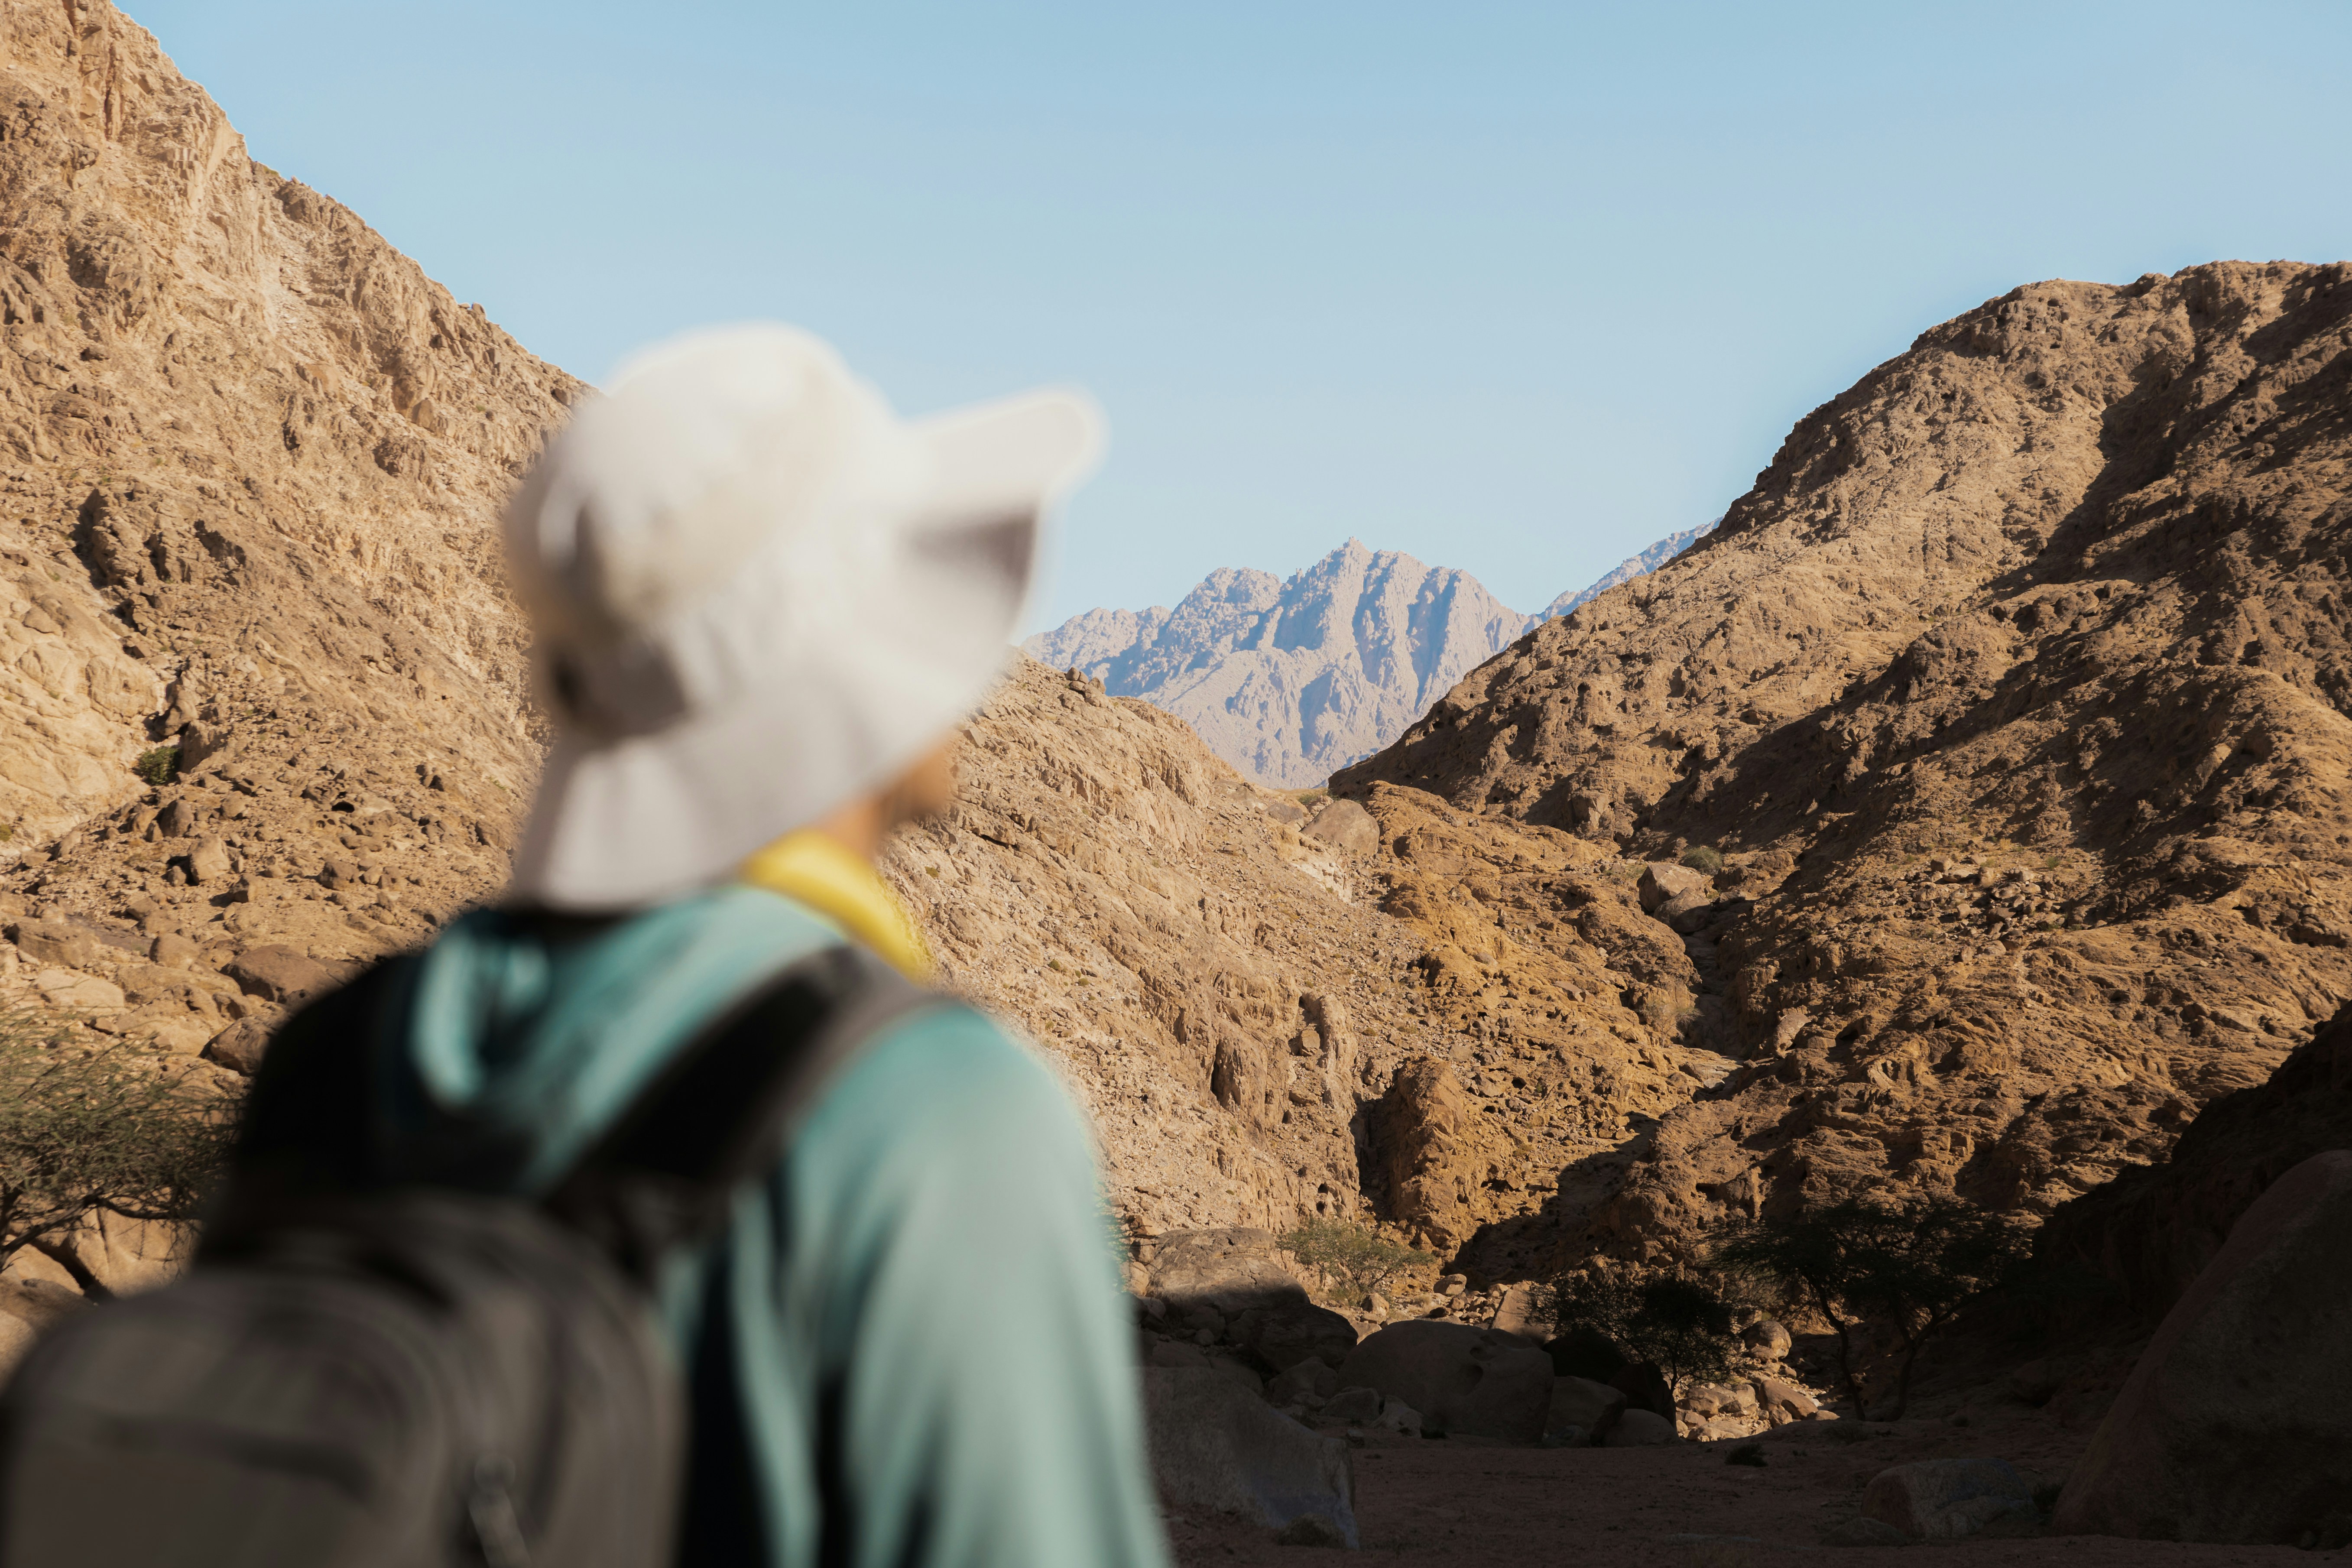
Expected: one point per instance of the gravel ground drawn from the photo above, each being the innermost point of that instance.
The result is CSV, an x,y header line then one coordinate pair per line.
x,y
1448,1501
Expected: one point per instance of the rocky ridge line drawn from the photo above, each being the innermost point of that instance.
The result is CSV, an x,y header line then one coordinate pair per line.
x,y
2015,695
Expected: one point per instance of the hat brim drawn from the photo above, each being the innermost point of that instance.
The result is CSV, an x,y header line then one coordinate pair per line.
x,y
626,822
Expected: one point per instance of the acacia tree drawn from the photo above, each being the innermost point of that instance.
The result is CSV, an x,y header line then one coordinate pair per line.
x,y
88,1130
1356,1253
1912,1267
1679,1323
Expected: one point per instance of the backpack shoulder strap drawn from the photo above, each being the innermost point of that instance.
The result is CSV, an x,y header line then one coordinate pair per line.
x,y
724,1108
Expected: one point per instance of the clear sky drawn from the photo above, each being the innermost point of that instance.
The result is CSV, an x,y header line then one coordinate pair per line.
x,y
1515,288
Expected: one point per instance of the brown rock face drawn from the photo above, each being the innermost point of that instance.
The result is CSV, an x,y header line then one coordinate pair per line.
x,y
2230,1425
2154,1228
1262,1031
252,458
1213,986
2015,694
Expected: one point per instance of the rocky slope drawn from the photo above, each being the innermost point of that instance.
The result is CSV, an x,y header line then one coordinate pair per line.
x,y
1625,571
252,458
1224,979
2154,1228
2015,693
1290,679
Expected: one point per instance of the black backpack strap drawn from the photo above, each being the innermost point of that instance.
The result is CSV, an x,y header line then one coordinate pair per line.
x,y
724,1108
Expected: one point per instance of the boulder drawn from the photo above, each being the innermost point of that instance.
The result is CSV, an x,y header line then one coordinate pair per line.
x,y
239,1046
1688,913
1403,1419
208,861
1581,1405
1472,1380
1282,1335
171,951
1781,1400
171,1026
1232,1271
1768,1337
1213,1445
1346,826
1638,1429
1645,1388
1177,1354
1944,1500
74,993
55,941
1708,1400
2236,1424
279,974
1310,1379
1240,1372
1353,1405
1662,881
1515,1314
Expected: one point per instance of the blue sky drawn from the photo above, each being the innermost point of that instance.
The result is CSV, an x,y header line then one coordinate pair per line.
x,y
1514,287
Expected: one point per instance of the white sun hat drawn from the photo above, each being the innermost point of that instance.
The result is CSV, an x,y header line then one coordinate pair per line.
x,y
756,595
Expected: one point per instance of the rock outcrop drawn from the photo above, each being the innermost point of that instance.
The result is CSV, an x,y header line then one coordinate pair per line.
x,y
1287,680
253,459
2155,1228
2014,697
2230,1427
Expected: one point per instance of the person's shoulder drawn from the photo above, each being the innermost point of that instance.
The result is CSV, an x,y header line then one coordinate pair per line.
x,y
945,1070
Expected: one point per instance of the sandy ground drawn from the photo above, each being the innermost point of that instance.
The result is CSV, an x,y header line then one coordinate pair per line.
x,y
1448,1501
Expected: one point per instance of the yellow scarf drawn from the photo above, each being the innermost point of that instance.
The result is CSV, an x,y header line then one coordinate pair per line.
x,y
817,870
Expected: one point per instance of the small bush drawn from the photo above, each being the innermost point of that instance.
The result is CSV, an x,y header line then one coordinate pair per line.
x,y
1701,858
1746,1453
159,765
86,1130
1356,1253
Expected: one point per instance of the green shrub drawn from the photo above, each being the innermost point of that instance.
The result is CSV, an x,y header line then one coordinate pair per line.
x,y
1701,858
92,1129
1680,1323
1356,1253
159,765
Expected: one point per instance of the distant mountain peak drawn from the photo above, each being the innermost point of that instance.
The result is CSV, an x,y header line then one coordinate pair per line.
x,y
1290,678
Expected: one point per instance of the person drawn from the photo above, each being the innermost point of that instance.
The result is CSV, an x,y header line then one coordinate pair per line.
x,y
762,604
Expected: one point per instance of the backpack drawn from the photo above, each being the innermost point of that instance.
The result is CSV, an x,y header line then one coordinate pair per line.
x,y
399,1378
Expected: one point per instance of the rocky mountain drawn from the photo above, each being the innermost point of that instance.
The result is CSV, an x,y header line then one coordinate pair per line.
x,y
1224,981
256,458
253,459
1625,571
2014,696
1290,679
2013,699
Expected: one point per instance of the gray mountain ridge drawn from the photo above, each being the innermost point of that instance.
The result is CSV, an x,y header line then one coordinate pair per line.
x,y
1290,680
1633,566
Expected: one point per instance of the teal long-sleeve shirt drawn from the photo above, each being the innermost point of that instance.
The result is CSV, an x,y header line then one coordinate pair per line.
x,y
908,1348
